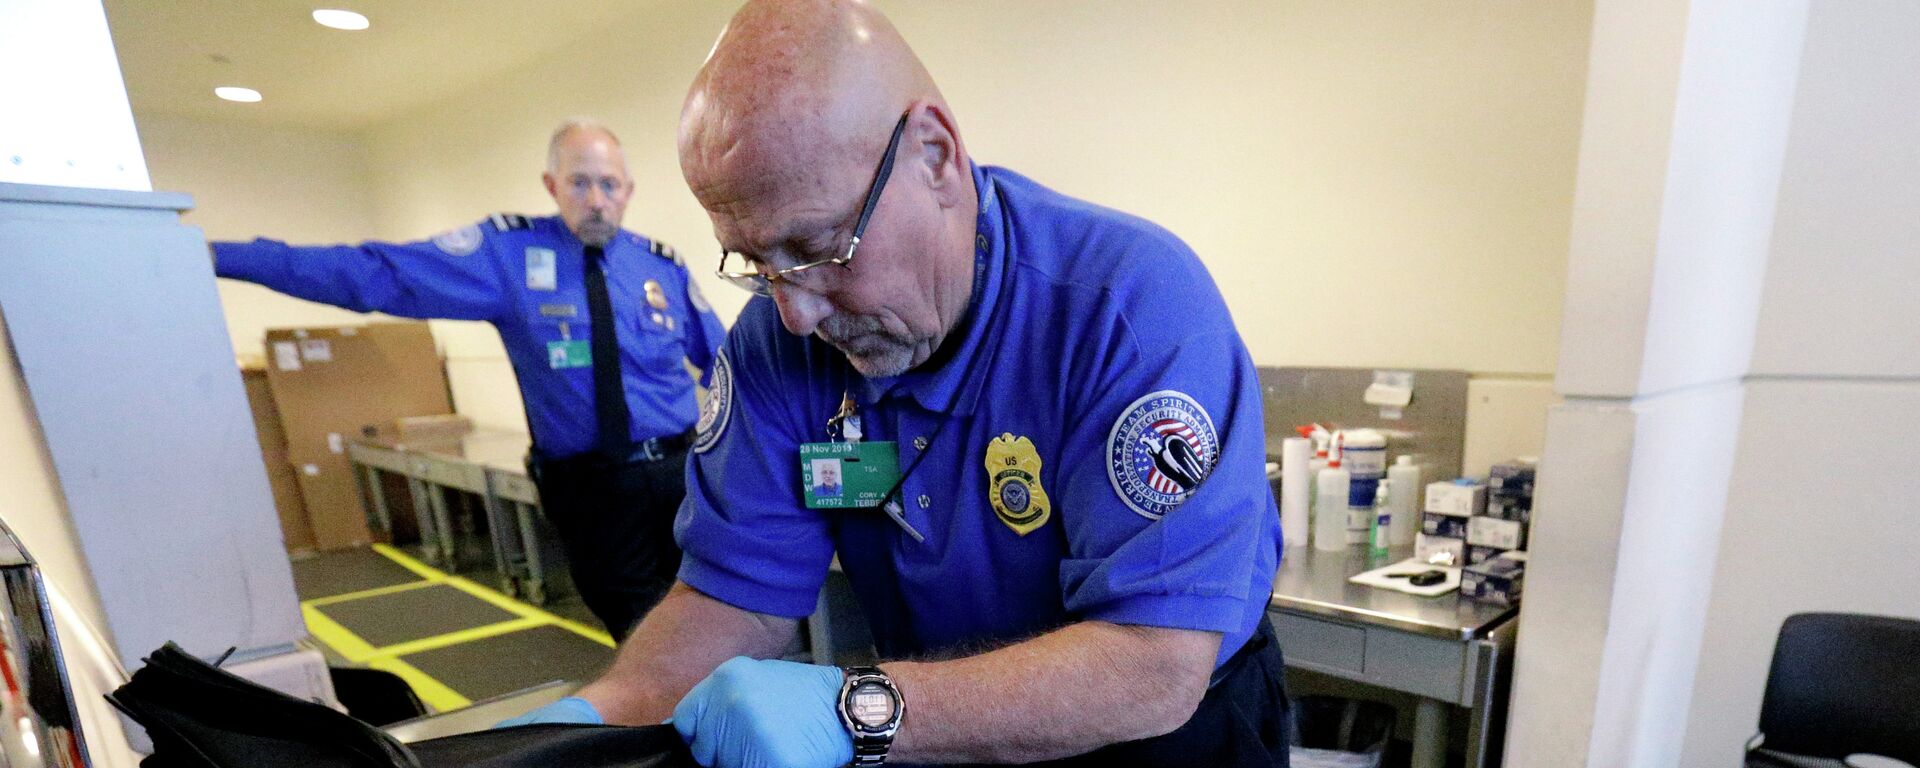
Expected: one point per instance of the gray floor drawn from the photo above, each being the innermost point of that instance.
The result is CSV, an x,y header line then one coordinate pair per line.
x,y
475,669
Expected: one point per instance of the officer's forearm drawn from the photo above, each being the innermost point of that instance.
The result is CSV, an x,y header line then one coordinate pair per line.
x,y
679,642
1060,694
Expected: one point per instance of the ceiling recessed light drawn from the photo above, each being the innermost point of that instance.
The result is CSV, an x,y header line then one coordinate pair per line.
x,y
236,93
339,19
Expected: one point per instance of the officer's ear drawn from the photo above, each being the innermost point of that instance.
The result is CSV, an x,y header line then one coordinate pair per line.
x,y
932,130
552,184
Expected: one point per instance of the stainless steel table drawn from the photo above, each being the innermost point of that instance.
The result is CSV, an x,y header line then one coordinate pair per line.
x,y
1447,651
375,455
488,464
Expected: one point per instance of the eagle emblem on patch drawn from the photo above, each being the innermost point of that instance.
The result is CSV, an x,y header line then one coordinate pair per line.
x,y
718,408
461,241
1160,449
1013,484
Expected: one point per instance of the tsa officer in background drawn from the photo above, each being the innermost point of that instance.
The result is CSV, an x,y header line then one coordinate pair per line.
x,y
598,322
1051,497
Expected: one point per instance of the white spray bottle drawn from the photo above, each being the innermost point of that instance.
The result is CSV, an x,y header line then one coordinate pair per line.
x,y
1331,487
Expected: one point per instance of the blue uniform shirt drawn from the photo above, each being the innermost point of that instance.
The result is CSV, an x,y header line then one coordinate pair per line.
x,y
526,276
1093,439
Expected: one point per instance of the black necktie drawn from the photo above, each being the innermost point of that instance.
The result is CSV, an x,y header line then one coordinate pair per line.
x,y
609,397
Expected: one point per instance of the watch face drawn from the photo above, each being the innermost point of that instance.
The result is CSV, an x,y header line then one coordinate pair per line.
x,y
871,705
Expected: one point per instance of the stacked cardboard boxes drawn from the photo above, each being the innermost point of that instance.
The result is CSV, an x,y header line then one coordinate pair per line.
x,y
329,385
1449,512
1497,540
1481,526
294,526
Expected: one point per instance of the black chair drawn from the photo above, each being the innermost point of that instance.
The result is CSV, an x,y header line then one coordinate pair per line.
x,y
1842,684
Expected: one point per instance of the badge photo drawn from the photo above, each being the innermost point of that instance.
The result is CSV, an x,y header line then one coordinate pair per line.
x,y
1160,449
1013,484
543,269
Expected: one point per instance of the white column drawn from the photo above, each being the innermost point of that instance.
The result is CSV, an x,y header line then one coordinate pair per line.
x,y
1687,114
1821,512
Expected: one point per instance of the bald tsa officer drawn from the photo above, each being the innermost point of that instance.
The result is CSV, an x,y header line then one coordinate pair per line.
x,y
598,323
1052,503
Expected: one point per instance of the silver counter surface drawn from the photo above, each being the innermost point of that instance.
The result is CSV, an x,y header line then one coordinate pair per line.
x,y
1315,582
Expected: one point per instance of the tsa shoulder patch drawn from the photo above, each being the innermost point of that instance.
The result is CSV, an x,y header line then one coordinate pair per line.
x,y
1160,449
718,409
460,241
507,222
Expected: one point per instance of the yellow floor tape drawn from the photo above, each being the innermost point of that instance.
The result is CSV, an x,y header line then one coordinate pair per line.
x,y
436,694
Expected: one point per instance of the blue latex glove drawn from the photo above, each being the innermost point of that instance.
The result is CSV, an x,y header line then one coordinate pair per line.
x,y
570,710
766,714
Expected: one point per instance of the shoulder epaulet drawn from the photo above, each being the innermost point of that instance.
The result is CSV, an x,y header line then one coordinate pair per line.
x,y
664,251
507,222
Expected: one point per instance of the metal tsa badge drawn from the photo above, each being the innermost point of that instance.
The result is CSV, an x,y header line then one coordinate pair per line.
x,y
1013,484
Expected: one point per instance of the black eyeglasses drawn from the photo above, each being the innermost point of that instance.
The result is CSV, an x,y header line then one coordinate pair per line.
x,y
760,280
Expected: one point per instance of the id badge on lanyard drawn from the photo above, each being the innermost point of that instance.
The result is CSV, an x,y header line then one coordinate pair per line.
x,y
852,473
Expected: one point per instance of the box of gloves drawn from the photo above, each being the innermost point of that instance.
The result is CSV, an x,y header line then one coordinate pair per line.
x,y
1496,580
1464,497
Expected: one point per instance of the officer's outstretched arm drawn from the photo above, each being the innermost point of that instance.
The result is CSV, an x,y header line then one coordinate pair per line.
x,y
679,643
453,276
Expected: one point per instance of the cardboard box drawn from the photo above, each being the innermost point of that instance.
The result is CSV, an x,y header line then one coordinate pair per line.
x,y
328,386
1456,497
295,529
1449,526
328,485
1496,581
1495,532
1425,547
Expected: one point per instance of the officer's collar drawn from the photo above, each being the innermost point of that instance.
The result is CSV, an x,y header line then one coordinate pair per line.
x,y
953,386
621,237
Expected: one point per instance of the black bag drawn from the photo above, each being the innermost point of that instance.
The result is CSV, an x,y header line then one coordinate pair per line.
x,y
201,717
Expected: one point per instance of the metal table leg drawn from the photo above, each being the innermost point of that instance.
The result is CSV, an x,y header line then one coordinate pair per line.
x,y
423,517
1429,734
502,532
536,575
382,516
443,520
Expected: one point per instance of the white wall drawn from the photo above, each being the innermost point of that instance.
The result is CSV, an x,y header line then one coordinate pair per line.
x,y
1412,158
297,185
1419,155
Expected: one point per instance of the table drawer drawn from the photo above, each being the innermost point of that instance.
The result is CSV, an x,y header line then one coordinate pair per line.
x,y
1327,646
1418,664
514,486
